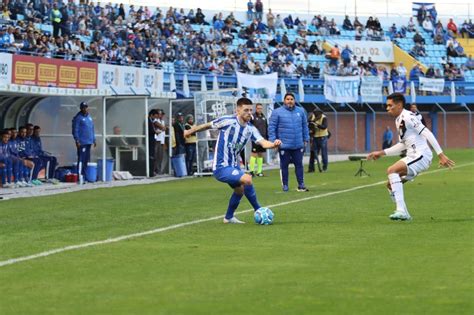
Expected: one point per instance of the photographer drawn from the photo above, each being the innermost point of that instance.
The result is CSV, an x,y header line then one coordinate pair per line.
x,y
319,134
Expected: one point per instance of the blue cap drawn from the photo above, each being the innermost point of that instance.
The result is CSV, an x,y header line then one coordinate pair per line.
x,y
83,105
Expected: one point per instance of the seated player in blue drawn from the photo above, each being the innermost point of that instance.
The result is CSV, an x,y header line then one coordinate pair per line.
x,y
234,132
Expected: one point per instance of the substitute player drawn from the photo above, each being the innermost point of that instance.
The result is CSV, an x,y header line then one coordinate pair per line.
x,y
413,137
260,122
234,132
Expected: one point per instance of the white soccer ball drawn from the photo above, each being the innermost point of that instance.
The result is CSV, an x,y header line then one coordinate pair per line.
x,y
263,216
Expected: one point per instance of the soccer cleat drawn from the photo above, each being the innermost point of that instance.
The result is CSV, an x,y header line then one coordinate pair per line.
x,y
20,184
302,188
252,174
233,220
285,188
260,175
399,216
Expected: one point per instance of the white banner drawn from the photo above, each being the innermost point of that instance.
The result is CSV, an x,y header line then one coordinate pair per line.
x,y
371,89
378,51
122,78
5,68
341,89
432,85
259,86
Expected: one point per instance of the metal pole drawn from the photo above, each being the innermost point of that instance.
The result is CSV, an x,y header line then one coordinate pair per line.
x,y
104,142
355,126
470,125
445,131
335,124
147,141
375,129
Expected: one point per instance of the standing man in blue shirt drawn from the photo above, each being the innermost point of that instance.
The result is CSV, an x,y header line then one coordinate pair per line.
x,y
387,138
289,124
84,136
234,132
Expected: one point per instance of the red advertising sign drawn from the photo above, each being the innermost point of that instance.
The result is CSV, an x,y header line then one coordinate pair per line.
x,y
40,71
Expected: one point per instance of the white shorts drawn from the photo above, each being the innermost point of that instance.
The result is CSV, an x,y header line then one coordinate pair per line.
x,y
416,164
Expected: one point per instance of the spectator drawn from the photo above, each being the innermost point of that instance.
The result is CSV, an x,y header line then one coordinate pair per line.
x,y
357,23
418,51
49,161
428,25
359,33
411,25
415,73
452,26
191,142
402,71
319,134
469,63
56,18
289,124
250,7
346,55
84,136
334,55
387,138
259,10
347,24
178,127
414,110
271,20
159,126
430,73
418,39
421,15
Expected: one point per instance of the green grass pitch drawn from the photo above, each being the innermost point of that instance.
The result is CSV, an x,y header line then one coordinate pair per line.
x,y
338,254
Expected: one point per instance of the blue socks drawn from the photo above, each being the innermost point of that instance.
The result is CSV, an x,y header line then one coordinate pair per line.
x,y
233,204
249,192
234,201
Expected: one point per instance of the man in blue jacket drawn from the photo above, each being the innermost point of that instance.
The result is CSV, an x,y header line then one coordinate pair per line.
x,y
290,125
84,136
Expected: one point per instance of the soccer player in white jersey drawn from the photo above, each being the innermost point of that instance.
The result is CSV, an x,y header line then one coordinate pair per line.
x,y
413,137
234,132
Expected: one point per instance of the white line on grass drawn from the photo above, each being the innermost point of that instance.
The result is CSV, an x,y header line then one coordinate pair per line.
x,y
180,225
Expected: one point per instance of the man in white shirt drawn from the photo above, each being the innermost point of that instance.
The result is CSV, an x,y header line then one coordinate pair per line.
x,y
160,131
413,137
402,71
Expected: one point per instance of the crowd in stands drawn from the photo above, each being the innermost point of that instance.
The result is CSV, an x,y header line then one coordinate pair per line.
x,y
141,36
22,158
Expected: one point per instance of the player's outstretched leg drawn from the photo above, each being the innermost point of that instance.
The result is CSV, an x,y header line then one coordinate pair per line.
x,y
396,184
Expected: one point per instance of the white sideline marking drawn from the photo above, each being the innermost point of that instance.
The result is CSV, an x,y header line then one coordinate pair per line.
x,y
176,226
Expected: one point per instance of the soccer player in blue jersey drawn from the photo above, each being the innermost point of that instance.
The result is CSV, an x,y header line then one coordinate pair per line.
x,y
234,132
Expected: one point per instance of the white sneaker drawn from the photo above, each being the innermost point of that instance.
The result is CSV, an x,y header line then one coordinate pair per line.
x,y
8,185
399,215
20,184
233,220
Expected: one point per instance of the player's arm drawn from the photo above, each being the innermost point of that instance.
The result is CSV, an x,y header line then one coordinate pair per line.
x,y
198,128
393,150
443,159
268,144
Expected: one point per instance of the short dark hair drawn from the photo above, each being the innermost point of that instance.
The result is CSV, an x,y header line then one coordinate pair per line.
x,y
289,94
397,98
36,127
244,101
152,112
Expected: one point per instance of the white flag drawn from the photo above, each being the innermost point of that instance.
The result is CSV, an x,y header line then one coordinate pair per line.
x,y
390,87
413,92
215,84
282,89
300,90
186,91
203,83
172,83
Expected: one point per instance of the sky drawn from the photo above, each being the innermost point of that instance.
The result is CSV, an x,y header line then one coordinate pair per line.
x,y
461,9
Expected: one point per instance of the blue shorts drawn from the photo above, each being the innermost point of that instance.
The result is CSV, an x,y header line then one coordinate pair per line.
x,y
230,175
